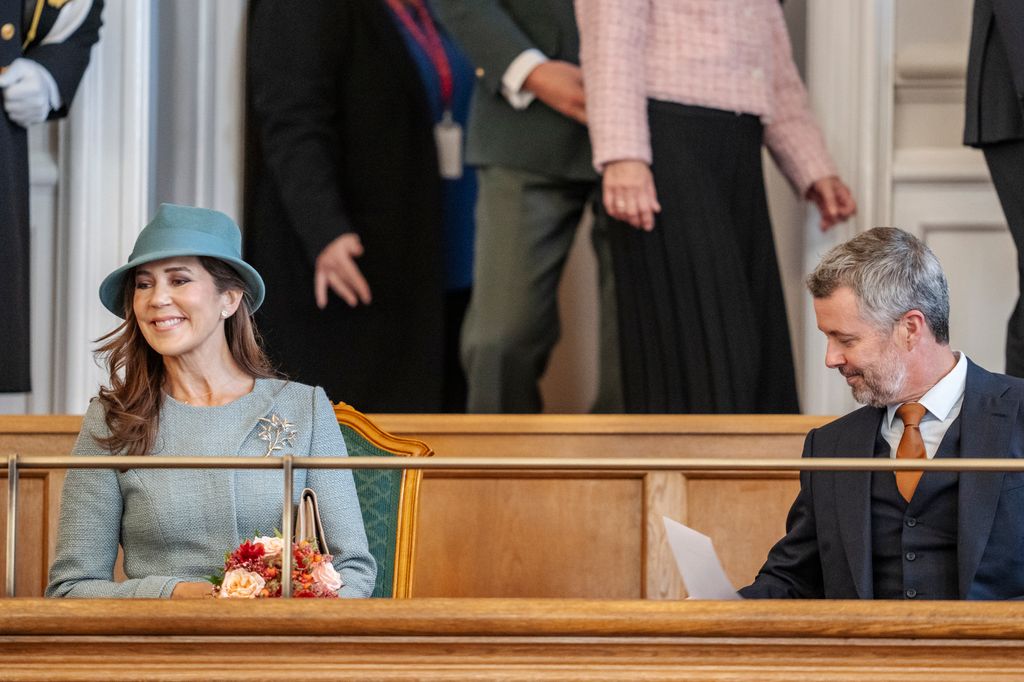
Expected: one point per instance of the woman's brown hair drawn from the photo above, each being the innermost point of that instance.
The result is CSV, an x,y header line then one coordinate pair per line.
x,y
135,394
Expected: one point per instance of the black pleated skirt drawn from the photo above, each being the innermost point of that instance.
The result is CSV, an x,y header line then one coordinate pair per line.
x,y
702,319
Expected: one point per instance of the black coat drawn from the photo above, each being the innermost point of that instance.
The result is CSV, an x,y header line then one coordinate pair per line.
x,y
340,139
995,73
66,61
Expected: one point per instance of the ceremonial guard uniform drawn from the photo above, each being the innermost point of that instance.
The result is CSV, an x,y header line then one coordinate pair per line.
x,y
56,34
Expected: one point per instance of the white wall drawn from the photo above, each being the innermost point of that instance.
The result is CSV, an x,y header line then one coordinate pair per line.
x,y
941,190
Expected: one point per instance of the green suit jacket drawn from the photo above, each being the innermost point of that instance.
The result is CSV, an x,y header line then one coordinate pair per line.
x,y
493,33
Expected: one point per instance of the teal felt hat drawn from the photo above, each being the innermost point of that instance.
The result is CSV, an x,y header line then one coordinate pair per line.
x,y
184,231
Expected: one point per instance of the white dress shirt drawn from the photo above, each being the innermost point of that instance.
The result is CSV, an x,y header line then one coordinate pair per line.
x,y
942,402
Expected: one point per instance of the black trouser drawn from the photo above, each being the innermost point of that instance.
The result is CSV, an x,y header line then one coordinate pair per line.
x,y
1006,164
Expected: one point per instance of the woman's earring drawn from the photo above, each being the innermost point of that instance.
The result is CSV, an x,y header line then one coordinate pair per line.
x,y
224,314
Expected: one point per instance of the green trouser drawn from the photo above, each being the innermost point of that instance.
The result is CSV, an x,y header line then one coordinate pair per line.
x,y
525,227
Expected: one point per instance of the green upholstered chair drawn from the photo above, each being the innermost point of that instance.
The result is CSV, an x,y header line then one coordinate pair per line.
x,y
389,499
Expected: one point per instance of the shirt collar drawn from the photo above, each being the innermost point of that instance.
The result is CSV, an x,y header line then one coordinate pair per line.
x,y
944,395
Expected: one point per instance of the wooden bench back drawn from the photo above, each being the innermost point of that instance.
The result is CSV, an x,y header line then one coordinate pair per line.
x,y
526,534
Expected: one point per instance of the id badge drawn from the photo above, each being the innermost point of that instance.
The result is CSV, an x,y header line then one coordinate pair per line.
x,y
448,138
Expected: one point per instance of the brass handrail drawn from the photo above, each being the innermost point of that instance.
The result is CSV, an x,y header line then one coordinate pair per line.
x,y
287,462
683,464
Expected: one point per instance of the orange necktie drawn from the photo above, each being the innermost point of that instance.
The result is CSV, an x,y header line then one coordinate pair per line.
x,y
911,446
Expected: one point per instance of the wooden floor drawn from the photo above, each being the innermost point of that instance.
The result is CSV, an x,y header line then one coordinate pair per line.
x,y
510,639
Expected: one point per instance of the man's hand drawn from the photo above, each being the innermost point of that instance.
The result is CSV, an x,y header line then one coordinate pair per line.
x,y
560,86
833,199
336,267
629,195
26,92
198,590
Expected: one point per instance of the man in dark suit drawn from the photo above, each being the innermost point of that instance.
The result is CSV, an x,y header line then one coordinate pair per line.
x,y
882,302
44,49
527,136
995,123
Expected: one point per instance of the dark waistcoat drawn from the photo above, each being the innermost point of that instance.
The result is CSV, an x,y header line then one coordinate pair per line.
x,y
913,545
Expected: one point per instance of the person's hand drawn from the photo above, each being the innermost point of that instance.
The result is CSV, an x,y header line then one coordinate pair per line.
x,y
629,195
559,85
834,201
26,92
336,267
188,590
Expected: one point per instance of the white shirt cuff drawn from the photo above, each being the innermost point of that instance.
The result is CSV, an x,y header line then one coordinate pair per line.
x,y
515,75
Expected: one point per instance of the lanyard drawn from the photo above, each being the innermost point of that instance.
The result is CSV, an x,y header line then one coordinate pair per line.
x,y
429,39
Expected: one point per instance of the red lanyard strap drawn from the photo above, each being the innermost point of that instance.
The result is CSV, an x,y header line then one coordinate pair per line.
x,y
425,33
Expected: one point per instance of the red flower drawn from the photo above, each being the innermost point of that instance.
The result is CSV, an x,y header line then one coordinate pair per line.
x,y
248,552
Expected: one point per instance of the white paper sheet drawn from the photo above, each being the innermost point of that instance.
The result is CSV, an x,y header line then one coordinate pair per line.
x,y
698,564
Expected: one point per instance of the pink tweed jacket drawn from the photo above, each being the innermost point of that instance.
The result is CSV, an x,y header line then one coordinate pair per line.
x,y
724,54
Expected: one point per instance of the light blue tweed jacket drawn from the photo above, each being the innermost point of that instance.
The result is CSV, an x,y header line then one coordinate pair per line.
x,y
176,524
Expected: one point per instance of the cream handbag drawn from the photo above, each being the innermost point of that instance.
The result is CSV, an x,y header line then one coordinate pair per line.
x,y
308,525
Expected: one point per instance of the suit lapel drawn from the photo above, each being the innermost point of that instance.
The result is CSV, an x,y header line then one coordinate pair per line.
x,y
853,497
263,402
984,432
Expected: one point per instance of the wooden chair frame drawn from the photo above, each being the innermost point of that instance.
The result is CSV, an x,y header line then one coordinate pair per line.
x,y
408,503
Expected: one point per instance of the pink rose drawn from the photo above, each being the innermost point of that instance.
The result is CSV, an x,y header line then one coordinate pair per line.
x,y
271,546
241,584
326,576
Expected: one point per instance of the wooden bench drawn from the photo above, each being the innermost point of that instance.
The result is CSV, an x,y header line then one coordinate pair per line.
x,y
527,534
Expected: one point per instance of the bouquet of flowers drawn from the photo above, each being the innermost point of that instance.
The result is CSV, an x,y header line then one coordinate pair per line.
x,y
253,571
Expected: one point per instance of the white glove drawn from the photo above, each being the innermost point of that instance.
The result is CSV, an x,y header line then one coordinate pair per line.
x,y
30,93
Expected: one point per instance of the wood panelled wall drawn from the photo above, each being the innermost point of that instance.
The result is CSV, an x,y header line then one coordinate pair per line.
x,y
528,534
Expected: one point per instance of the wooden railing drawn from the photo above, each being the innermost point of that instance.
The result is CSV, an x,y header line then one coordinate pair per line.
x,y
586,532
564,533
510,639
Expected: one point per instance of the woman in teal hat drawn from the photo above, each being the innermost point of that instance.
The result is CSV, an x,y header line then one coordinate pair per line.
x,y
188,377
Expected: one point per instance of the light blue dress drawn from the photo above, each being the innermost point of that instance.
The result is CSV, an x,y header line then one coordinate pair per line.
x,y
175,524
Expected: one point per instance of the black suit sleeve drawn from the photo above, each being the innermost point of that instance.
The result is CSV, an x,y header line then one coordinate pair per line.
x,y
296,56
1009,17
793,568
66,60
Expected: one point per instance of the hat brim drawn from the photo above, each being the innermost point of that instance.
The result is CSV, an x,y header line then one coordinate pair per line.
x,y
112,287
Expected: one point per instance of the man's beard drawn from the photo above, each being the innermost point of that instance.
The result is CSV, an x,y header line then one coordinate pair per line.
x,y
881,384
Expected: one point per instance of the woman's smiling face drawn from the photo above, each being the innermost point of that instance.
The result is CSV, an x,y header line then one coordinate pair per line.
x,y
178,308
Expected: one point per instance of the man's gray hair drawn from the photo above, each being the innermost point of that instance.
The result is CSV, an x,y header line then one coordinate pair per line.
x,y
891,272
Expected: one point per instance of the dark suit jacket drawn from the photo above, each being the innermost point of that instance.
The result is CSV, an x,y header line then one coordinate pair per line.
x,y
66,62
826,551
339,138
995,73
493,33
